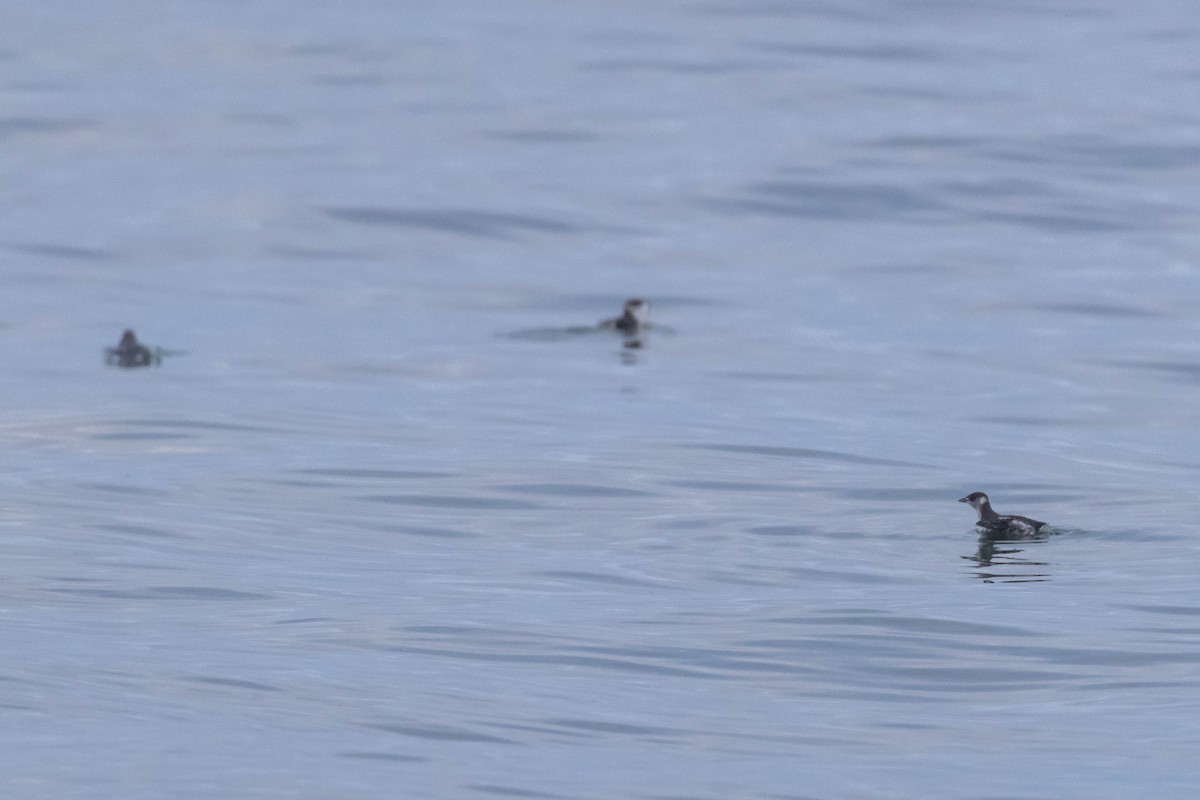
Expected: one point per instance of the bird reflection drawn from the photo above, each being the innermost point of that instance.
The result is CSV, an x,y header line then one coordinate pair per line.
x,y
633,324
995,552
630,353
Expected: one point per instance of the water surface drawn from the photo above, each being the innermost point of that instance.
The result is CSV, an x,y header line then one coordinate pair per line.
x,y
363,534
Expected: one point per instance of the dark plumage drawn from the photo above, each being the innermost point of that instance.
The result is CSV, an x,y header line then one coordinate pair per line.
x,y
633,320
129,352
990,521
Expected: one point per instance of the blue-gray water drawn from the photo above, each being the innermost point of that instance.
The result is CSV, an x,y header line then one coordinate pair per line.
x,y
383,528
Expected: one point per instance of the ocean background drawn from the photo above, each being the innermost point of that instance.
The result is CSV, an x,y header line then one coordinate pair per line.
x,y
390,521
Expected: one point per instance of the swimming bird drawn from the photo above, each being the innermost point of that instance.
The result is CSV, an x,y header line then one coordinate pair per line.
x,y
1000,524
129,352
634,319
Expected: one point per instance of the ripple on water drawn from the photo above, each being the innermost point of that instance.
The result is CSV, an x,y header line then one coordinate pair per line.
x,y
804,453
555,334
534,648
545,136
669,66
735,486
1180,371
141,436
426,531
1185,611
577,490
1098,310
168,593
356,474
474,503
824,200
234,683
441,733
510,542
899,494
607,578
1104,153
60,250
878,52
123,489
366,755
513,791
141,530
782,530
463,222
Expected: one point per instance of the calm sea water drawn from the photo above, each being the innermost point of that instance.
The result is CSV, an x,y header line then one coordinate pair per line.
x,y
384,525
